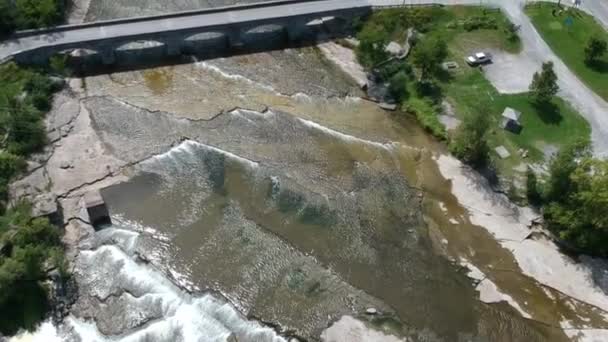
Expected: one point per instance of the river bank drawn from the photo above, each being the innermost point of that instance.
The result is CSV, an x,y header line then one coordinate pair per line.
x,y
513,227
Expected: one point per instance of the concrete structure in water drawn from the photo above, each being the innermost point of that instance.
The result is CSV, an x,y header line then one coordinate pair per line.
x,y
97,209
186,32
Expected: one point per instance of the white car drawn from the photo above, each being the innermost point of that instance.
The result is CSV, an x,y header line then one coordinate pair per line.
x,y
479,58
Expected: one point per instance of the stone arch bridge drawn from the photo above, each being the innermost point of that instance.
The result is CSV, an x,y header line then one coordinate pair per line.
x,y
185,32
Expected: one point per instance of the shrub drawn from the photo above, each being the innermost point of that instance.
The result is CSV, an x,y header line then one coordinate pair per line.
x,y
470,143
426,114
480,22
595,49
29,14
428,56
10,166
23,299
532,191
398,86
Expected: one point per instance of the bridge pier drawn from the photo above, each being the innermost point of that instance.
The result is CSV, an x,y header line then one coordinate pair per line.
x,y
174,47
298,31
108,57
234,38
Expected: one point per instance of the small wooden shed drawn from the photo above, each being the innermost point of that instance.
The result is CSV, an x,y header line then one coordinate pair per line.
x,y
510,120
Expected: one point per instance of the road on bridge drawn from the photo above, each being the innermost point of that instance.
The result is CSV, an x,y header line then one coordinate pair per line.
x,y
118,29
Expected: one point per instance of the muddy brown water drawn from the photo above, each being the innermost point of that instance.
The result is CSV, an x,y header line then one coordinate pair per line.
x,y
318,208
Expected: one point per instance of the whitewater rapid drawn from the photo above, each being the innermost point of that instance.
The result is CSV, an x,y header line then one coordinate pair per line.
x,y
153,307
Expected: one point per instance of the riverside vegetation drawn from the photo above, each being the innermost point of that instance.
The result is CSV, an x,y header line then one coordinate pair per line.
x,y
29,14
29,247
574,194
422,86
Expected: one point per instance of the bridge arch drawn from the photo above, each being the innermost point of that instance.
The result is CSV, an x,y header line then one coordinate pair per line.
x,y
136,51
81,56
203,42
264,35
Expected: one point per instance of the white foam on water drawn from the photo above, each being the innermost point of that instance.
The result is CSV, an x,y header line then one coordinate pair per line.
x,y
584,335
46,332
346,137
191,147
126,239
184,317
301,97
234,77
122,223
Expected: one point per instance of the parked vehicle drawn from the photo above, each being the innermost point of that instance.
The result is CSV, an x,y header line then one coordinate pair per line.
x,y
479,58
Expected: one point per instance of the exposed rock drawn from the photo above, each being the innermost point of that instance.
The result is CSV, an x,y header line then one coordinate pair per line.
x,y
45,205
32,165
64,110
349,329
30,186
388,106
394,49
371,311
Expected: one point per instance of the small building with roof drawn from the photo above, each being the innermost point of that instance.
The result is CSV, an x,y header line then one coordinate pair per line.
x,y
510,120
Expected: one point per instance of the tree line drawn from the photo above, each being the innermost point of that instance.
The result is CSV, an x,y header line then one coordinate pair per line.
x,y
28,247
29,14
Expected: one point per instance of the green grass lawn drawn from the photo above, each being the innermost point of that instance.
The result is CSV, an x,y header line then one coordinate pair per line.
x,y
569,42
542,127
466,87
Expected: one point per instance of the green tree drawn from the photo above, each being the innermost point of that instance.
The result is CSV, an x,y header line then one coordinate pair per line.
x,y
579,214
29,244
38,13
595,49
398,86
10,166
428,56
532,192
7,16
372,44
561,169
544,84
470,142
21,127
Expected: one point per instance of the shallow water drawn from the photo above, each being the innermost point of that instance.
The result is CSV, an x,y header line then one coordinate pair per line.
x,y
292,220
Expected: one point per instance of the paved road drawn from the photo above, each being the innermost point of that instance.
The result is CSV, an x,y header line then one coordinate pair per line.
x,y
599,9
122,28
535,49
518,69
